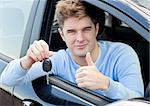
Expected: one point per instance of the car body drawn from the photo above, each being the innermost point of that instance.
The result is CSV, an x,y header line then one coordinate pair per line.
x,y
28,20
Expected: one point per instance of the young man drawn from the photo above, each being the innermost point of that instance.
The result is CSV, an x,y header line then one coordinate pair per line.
x,y
110,69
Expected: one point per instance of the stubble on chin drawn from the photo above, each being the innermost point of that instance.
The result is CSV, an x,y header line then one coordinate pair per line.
x,y
81,53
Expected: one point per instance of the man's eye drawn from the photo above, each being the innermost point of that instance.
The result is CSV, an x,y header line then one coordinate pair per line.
x,y
71,32
87,29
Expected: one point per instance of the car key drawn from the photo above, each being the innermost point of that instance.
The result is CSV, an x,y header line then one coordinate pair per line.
x,y
47,65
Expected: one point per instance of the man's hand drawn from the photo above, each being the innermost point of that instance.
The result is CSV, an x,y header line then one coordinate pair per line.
x,y
90,77
37,51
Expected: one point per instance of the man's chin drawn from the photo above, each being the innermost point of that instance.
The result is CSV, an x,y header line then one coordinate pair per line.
x,y
81,54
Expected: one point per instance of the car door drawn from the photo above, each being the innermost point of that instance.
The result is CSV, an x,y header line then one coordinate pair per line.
x,y
42,25
55,93
122,24
21,23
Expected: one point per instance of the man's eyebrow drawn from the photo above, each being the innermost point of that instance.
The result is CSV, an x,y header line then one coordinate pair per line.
x,y
70,30
87,27
82,28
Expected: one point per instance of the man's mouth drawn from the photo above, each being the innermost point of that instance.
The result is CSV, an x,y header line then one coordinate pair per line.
x,y
81,46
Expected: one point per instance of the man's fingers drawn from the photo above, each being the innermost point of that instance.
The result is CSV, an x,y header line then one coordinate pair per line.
x,y
51,53
83,79
36,54
89,59
41,50
82,71
84,84
32,56
80,75
45,48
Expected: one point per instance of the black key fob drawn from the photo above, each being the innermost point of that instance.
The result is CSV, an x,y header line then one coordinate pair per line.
x,y
47,65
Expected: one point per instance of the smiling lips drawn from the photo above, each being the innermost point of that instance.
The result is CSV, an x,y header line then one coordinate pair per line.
x,y
81,46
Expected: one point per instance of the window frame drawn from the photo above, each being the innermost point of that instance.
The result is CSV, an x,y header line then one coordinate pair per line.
x,y
108,7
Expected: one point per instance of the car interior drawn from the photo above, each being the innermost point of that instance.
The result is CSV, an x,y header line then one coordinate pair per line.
x,y
114,30
118,32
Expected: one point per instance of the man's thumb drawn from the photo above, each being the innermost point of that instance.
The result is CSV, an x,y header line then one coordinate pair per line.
x,y
89,59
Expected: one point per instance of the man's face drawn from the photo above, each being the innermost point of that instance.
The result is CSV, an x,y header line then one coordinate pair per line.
x,y
79,35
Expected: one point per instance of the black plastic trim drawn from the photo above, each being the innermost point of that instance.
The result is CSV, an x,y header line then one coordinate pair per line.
x,y
47,20
85,94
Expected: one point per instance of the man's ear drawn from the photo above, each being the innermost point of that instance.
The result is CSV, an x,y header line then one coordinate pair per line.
x,y
97,28
61,34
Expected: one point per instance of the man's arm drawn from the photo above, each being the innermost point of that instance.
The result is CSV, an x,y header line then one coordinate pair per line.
x,y
130,83
28,67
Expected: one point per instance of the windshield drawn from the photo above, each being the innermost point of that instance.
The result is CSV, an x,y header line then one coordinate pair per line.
x,y
142,3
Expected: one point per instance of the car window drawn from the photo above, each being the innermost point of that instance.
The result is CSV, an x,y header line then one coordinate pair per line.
x,y
115,30
14,16
142,3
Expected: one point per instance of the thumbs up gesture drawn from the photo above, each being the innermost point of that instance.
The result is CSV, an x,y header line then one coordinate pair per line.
x,y
89,60
90,77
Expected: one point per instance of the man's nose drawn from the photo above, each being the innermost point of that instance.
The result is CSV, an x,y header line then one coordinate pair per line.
x,y
80,36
